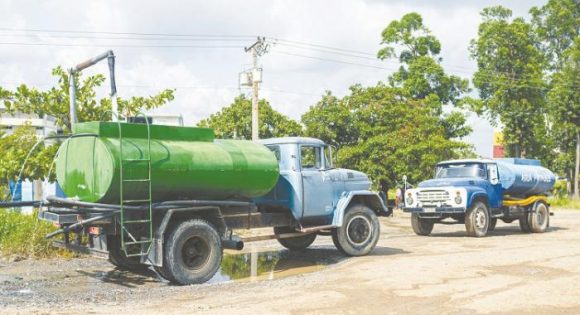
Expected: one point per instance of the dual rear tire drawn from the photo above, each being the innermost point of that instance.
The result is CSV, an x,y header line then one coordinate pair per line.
x,y
537,220
192,253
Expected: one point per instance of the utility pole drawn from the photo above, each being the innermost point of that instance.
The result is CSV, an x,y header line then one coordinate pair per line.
x,y
257,49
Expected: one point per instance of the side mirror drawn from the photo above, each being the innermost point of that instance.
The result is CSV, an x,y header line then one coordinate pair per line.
x,y
493,175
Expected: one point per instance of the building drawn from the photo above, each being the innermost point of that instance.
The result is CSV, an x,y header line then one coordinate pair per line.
x,y
44,125
498,146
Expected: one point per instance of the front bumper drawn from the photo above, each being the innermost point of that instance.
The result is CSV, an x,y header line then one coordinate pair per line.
x,y
435,211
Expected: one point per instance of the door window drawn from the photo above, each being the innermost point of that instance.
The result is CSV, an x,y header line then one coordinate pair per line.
x,y
310,157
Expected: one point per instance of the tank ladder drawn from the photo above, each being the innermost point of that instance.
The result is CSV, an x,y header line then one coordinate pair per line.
x,y
136,224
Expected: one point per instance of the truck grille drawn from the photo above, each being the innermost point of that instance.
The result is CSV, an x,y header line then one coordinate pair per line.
x,y
432,195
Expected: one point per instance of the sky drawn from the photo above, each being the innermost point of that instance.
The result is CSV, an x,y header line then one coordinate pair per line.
x,y
201,51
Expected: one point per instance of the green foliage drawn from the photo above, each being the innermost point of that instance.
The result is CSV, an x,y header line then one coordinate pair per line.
x,y
23,236
235,121
421,75
560,189
55,101
564,203
557,24
564,108
510,81
383,132
15,148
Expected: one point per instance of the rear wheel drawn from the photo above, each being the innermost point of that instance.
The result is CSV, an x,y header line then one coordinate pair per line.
x,y
118,258
421,226
477,220
294,243
359,232
540,218
525,223
192,253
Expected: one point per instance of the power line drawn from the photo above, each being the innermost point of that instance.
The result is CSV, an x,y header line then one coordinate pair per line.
x,y
120,45
122,33
50,36
209,37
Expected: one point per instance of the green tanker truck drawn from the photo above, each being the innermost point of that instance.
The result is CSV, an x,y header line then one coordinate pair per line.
x,y
172,197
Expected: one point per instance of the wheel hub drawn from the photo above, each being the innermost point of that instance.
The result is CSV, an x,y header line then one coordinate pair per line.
x,y
359,230
540,215
480,219
195,253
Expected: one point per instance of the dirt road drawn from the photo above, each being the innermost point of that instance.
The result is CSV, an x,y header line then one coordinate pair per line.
x,y
506,272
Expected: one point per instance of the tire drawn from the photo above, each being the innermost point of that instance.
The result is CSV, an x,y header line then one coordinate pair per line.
x,y
118,258
294,243
539,219
492,224
477,220
420,226
192,253
525,223
359,232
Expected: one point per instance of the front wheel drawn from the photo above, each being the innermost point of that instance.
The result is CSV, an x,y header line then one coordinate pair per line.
x,y
421,226
540,218
359,232
477,220
192,253
294,243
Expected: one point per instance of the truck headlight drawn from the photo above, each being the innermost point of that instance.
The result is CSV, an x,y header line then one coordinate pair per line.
x,y
458,198
409,199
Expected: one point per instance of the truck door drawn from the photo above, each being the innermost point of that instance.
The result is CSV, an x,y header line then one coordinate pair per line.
x,y
317,188
495,192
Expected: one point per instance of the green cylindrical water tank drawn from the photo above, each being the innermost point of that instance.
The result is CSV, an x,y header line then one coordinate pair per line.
x,y
186,163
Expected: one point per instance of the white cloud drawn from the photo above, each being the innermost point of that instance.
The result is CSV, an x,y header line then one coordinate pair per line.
x,y
207,77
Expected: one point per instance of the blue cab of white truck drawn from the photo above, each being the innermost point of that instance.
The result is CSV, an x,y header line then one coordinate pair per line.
x,y
478,192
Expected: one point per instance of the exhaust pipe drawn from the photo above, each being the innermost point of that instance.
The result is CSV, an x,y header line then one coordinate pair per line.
x,y
233,244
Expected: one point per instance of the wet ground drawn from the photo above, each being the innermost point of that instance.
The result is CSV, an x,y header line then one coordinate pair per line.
x,y
506,272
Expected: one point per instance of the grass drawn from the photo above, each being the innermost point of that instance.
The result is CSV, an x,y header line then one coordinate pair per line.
x,y
565,203
22,235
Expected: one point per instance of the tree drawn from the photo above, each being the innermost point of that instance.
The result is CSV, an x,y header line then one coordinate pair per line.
x,y
15,148
557,25
235,121
564,109
421,74
510,81
383,132
55,101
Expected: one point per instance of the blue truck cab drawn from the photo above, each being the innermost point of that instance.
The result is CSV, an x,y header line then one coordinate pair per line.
x,y
478,192
322,197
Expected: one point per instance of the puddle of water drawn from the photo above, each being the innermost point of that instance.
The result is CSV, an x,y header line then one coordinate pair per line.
x,y
273,264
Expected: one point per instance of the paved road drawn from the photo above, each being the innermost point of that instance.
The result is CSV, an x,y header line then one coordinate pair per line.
x,y
506,272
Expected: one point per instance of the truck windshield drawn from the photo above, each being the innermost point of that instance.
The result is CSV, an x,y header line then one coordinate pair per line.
x,y
460,170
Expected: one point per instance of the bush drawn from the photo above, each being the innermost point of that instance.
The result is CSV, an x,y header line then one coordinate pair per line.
x,y
23,235
560,189
565,203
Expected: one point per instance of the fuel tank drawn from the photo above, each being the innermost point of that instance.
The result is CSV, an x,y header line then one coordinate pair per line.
x,y
524,177
186,163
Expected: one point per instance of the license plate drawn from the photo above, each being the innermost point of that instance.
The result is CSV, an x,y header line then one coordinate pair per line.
x,y
429,209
